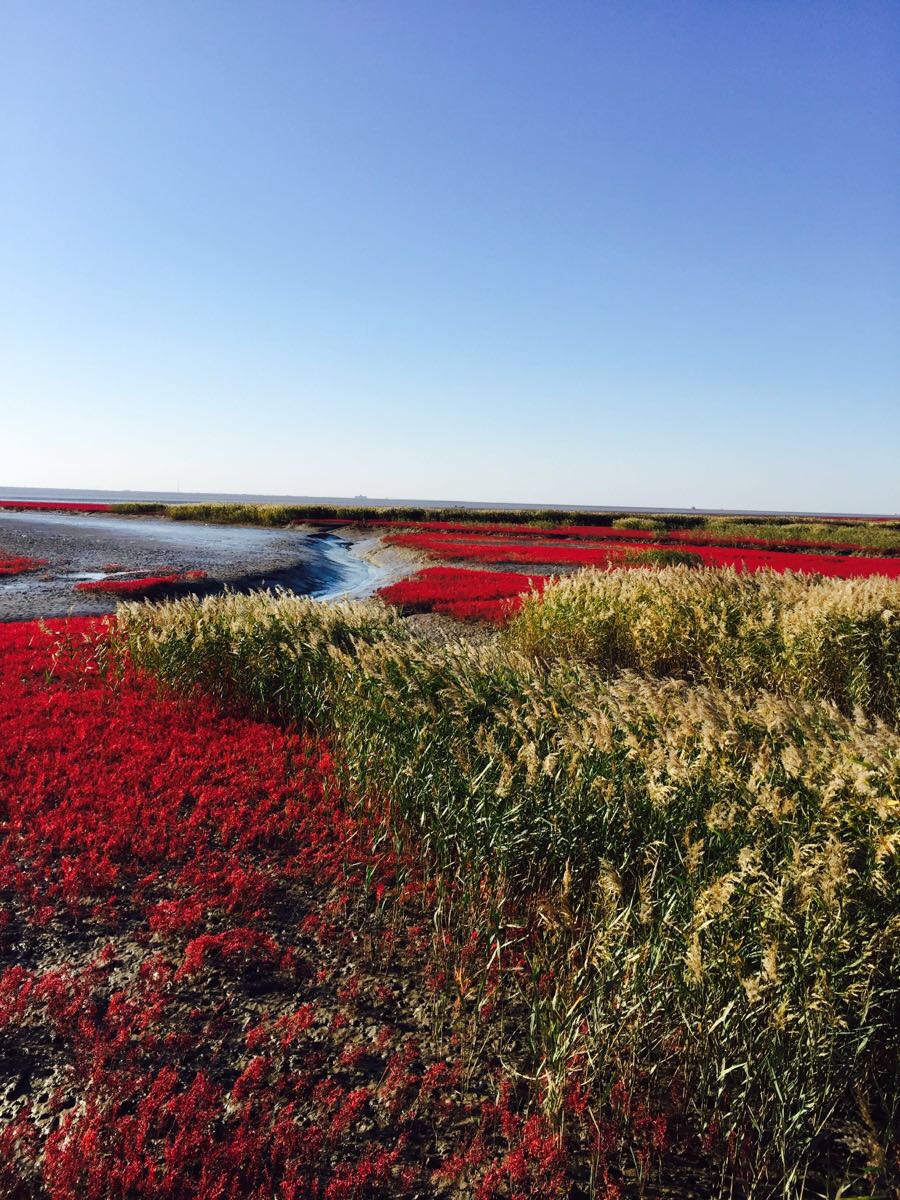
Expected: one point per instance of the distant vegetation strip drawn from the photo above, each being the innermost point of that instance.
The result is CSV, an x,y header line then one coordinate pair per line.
x,y
286,514
673,891
55,506
852,534
846,533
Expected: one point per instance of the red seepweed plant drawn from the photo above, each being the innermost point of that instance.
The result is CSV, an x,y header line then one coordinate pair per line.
x,y
465,594
147,585
18,565
55,506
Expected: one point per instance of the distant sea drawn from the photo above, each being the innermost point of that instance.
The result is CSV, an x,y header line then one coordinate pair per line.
x,y
100,495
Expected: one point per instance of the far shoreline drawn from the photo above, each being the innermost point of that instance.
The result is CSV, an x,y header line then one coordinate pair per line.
x,y
462,507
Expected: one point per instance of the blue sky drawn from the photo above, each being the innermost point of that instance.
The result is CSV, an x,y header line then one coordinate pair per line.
x,y
612,253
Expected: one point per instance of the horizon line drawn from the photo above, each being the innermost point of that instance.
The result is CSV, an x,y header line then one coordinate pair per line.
x,y
150,495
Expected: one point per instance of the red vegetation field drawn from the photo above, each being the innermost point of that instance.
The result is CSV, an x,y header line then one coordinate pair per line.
x,y
495,595
199,996
608,533
576,532
467,595
19,565
835,565
54,506
496,551
147,585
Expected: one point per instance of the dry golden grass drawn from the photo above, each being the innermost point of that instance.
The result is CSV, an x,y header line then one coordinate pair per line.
x,y
801,635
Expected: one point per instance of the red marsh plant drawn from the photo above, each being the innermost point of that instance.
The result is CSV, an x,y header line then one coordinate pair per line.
x,y
466,594
18,565
147,585
54,506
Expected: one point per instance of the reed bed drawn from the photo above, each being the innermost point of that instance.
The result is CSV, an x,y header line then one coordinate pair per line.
x,y
679,898
792,634
273,651
868,535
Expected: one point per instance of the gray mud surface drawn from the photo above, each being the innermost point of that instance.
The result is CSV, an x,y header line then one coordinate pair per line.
x,y
77,547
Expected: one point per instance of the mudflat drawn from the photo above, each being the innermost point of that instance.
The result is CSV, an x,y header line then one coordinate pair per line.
x,y
78,548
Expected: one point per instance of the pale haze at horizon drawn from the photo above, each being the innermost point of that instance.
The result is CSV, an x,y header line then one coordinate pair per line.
x,y
639,254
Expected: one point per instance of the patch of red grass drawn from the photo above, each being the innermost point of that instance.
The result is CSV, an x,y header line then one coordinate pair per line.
x,y
494,551
473,595
498,612
19,565
604,533
147,585
834,565
55,506
474,532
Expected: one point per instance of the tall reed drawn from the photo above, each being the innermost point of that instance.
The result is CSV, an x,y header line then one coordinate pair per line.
x,y
794,634
873,535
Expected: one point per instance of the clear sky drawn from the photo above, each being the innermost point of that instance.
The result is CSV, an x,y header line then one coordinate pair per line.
x,y
624,253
